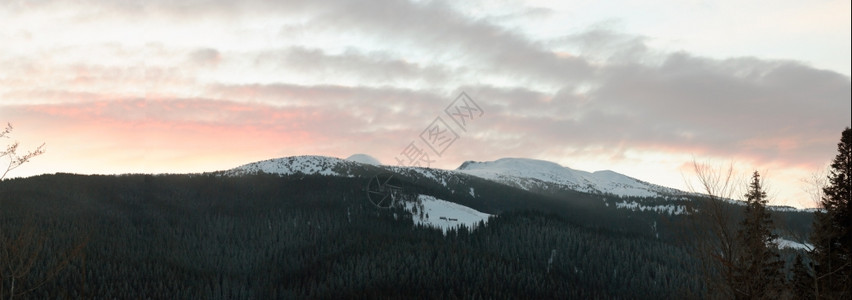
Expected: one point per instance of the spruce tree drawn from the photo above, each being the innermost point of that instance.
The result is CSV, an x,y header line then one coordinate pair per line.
x,y
758,265
801,285
832,237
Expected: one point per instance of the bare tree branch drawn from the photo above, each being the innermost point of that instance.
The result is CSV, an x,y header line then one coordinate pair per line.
x,y
23,252
710,233
813,185
11,153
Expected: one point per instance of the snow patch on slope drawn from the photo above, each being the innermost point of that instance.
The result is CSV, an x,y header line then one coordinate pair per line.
x,y
426,173
669,208
785,243
442,214
785,208
528,173
308,165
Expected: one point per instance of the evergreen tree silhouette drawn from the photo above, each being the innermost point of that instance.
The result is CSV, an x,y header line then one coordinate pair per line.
x,y
832,237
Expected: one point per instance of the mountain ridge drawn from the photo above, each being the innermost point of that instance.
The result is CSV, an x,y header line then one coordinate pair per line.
x,y
516,171
525,173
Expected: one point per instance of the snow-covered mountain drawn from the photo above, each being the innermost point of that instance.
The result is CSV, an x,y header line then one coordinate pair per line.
x,y
531,174
478,189
305,165
527,174
364,159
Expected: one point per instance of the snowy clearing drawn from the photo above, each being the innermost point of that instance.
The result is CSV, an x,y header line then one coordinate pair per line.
x,y
785,243
442,214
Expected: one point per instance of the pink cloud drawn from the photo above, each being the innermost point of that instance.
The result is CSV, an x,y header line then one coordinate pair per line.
x,y
173,135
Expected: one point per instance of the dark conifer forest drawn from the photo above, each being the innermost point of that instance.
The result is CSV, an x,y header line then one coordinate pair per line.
x,y
208,236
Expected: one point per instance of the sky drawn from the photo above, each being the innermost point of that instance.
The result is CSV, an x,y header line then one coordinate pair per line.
x,y
638,87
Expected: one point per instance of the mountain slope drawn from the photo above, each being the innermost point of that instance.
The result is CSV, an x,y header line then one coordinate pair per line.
x,y
305,165
474,184
531,174
305,229
528,174
208,236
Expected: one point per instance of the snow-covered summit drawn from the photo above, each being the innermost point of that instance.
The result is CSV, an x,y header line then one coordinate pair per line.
x,y
530,173
364,159
307,165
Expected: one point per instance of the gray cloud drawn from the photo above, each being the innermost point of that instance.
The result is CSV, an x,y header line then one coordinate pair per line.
x,y
769,111
206,57
614,93
436,26
380,67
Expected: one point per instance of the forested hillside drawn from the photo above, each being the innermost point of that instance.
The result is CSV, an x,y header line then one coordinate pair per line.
x,y
278,237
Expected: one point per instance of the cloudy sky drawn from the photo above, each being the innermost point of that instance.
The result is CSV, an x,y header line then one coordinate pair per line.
x,y
638,87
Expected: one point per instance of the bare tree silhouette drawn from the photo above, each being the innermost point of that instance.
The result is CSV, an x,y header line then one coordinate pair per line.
x,y
710,232
22,249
